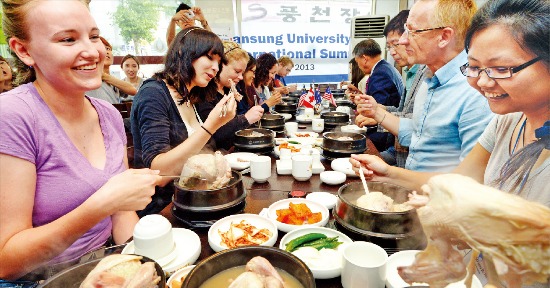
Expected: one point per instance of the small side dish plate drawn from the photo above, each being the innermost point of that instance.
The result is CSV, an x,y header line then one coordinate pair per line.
x,y
319,272
284,204
223,225
239,160
343,165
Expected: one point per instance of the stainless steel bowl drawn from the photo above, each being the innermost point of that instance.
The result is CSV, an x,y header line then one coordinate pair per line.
x,y
209,201
334,118
396,224
332,142
73,276
240,256
264,139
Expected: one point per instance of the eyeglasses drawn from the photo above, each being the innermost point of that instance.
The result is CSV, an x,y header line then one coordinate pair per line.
x,y
409,32
390,46
495,72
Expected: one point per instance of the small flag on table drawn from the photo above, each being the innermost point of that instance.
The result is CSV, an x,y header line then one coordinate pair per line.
x,y
328,96
307,99
317,95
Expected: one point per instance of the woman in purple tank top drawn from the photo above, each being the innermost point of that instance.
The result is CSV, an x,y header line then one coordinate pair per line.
x,y
65,185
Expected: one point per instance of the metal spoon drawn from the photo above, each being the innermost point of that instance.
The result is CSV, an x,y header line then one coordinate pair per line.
x,y
362,176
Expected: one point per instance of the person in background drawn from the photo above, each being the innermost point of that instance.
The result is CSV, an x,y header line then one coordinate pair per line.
x,y
166,127
66,188
130,66
232,70
358,80
414,77
266,67
112,90
6,75
508,58
248,85
449,115
384,84
184,18
285,66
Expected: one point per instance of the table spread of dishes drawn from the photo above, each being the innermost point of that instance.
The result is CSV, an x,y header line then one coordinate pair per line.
x,y
300,241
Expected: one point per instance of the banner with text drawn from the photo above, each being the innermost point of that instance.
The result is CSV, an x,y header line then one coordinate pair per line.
x,y
314,34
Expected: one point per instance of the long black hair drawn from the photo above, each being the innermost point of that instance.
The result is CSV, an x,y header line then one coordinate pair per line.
x,y
528,22
189,45
264,63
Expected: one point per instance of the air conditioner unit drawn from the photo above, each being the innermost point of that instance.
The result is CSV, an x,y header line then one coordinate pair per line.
x,y
371,26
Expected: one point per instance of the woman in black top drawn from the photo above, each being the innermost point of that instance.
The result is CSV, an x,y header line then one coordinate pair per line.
x,y
165,124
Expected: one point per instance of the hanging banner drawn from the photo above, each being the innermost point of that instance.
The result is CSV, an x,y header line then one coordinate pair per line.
x,y
314,34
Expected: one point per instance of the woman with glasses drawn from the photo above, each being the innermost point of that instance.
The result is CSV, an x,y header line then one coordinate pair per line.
x,y
509,63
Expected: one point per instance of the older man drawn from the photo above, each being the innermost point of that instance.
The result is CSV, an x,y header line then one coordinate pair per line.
x,y
449,115
414,76
384,83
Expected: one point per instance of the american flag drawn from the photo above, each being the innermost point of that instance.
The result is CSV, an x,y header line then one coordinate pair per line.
x,y
318,96
307,99
328,96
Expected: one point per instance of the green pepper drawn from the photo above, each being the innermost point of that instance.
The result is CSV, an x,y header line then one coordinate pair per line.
x,y
329,243
293,142
319,242
296,242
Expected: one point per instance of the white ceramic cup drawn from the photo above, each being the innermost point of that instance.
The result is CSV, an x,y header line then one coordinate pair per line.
x,y
308,113
260,168
364,265
153,237
291,128
301,167
318,125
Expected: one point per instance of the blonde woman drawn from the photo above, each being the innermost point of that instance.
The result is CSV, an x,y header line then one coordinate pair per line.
x,y
232,71
66,188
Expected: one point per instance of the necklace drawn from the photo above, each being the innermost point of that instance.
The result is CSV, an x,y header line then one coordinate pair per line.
x,y
521,134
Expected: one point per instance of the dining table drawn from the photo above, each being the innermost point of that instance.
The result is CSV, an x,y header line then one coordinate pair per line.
x,y
277,187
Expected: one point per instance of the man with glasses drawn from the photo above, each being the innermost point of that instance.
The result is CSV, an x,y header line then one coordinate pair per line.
x,y
449,115
414,76
384,83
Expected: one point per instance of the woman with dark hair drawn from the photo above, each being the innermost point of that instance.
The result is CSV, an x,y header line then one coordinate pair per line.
x,y
266,67
166,127
358,81
243,86
130,66
509,63
231,73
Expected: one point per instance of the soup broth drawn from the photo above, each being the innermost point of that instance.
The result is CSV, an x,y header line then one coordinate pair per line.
x,y
224,278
